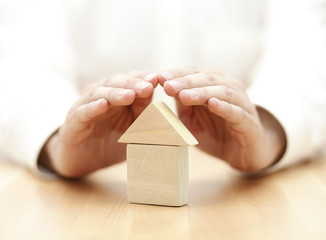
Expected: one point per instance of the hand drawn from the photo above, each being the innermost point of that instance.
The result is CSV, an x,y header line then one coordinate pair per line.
x,y
87,140
226,124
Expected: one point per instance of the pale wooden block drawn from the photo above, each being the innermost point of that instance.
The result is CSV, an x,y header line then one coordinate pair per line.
x,y
157,174
157,124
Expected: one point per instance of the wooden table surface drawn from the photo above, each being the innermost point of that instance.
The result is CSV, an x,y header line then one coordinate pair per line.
x,y
289,204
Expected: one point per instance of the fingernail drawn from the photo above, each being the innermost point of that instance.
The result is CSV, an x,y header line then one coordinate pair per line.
x,y
124,91
167,75
141,85
175,84
150,76
100,101
191,93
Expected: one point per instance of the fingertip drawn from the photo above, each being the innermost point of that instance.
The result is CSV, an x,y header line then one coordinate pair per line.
x,y
153,79
170,89
164,76
150,76
146,92
161,80
98,107
220,108
91,110
188,97
124,97
129,97
144,89
214,105
102,104
212,102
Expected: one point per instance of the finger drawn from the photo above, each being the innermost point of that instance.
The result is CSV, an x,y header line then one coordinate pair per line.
x,y
176,73
200,96
191,116
185,113
152,78
174,86
84,114
139,106
115,96
119,97
141,87
147,76
236,117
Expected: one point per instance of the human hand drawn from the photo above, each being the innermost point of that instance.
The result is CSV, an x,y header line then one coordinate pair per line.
x,y
87,140
218,111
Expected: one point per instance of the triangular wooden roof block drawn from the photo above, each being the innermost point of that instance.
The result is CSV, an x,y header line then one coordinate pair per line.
x,y
157,124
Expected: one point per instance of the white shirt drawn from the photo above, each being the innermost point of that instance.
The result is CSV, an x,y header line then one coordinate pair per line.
x,y
50,49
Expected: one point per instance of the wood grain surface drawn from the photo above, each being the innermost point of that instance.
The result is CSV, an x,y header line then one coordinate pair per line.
x,y
289,204
158,175
157,124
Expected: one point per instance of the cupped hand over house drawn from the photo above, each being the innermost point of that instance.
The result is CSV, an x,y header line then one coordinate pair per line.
x,y
87,140
218,111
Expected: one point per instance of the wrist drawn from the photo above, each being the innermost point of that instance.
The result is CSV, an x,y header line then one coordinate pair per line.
x,y
275,138
45,158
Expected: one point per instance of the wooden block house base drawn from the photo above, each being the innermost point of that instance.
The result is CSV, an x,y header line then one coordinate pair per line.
x,y
157,174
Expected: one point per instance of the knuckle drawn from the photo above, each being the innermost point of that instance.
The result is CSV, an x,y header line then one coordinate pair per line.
x,y
108,81
251,108
239,85
189,81
90,95
194,69
211,77
71,115
242,114
228,93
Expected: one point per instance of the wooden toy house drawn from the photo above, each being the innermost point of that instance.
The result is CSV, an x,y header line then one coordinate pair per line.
x,y
157,157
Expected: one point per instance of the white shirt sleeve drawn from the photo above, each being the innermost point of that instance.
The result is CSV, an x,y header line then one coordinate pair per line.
x,y
36,82
290,81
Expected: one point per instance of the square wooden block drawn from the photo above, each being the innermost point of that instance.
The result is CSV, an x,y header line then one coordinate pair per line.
x,y
157,174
